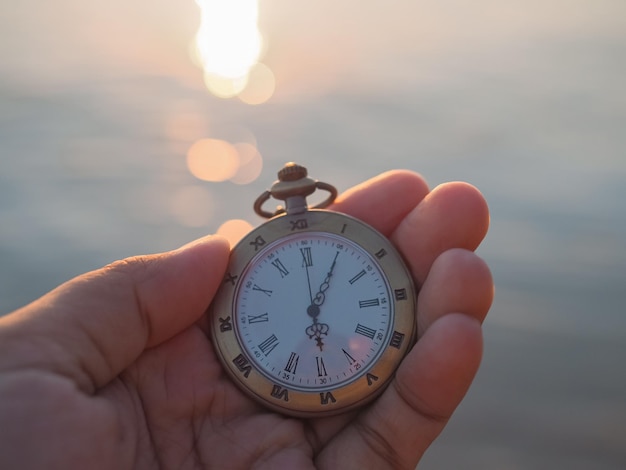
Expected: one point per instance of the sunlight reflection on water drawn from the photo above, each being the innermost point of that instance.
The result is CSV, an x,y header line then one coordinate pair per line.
x,y
228,47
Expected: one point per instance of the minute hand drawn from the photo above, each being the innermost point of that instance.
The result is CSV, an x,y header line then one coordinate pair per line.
x,y
317,330
321,294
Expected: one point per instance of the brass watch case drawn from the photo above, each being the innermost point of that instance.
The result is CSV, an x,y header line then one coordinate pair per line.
x,y
243,369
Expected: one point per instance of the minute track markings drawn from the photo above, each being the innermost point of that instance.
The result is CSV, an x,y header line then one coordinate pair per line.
x,y
277,274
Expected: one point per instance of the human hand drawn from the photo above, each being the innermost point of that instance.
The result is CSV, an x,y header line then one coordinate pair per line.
x,y
114,369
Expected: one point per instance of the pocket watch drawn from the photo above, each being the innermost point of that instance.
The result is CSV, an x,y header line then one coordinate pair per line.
x,y
316,310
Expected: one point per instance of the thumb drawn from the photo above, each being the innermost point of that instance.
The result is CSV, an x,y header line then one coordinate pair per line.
x,y
92,327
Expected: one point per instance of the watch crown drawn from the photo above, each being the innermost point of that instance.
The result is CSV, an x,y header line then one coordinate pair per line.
x,y
293,187
292,172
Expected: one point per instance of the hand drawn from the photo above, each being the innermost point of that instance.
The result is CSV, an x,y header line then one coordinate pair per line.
x,y
317,330
114,369
321,293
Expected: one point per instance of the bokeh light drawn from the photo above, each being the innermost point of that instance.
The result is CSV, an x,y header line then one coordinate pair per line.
x,y
250,163
212,160
225,87
260,86
234,230
217,160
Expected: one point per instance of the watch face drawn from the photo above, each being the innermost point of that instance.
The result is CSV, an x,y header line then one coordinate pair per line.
x,y
315,313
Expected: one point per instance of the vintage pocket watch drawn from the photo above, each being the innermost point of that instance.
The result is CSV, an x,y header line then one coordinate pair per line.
x,y
317,309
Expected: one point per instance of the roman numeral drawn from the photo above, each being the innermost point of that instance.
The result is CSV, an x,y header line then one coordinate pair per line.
x,y
243,365
357,277
268,345
400,294
369,303
307,259
258,318
365,331
350,359
280,393
326,398
396,340
321,368
292,363
371,378
257,242
265,291
298,224
281,268
225,324
382,252
230,278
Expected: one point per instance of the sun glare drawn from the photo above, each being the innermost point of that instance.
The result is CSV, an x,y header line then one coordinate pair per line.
x,y
228,48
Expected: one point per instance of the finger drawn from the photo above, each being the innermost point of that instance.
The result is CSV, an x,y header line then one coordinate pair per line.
x,y
453,215
429,385
385,200
458,281
95,325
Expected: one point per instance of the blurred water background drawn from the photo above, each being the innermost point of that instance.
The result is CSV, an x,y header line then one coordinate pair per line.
x,y
106,122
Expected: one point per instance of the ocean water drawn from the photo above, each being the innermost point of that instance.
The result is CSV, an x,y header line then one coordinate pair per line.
x,y
524,99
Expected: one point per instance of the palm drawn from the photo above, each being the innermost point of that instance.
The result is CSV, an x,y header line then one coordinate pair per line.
x,y
211,420
133,382
186,399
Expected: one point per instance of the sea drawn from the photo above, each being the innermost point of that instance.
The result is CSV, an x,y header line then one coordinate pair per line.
x,y
100,104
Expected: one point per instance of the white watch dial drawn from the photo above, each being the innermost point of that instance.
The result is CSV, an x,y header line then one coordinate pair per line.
x,y
313,311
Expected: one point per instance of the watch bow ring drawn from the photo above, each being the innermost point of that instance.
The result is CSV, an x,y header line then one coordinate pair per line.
x,y
293,184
